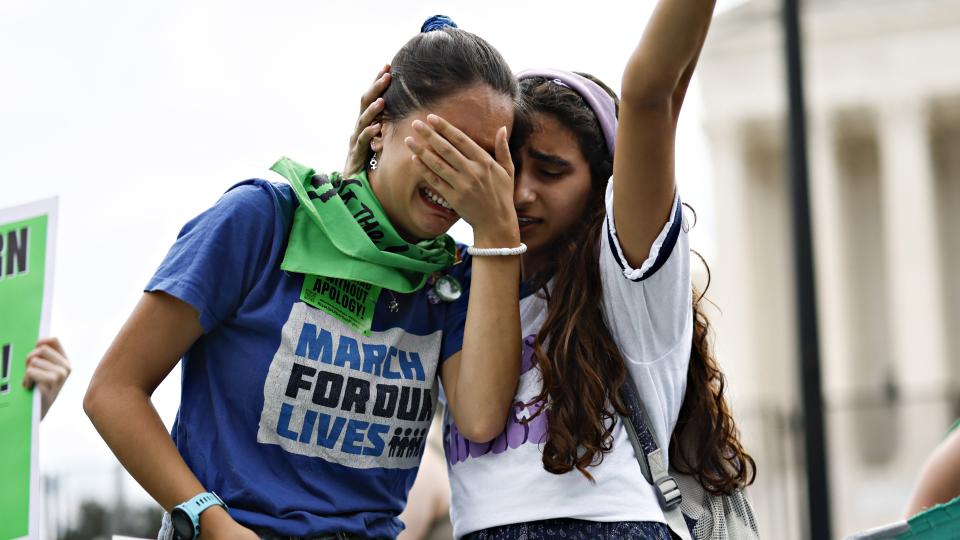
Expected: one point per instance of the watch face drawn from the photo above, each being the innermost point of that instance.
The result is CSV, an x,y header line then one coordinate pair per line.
x,y
182,524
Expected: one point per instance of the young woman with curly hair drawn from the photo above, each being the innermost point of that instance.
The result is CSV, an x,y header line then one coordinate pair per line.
x,y
607,295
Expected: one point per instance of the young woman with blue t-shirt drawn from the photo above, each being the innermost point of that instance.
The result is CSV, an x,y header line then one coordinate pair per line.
x,y
314,318
607,295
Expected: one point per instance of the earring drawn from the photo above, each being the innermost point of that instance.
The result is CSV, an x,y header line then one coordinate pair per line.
x,y
373,163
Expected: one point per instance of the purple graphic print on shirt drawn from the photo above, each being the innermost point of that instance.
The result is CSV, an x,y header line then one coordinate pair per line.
x,y
520,429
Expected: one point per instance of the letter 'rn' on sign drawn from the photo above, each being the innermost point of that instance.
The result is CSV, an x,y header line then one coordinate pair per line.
x,y
14,247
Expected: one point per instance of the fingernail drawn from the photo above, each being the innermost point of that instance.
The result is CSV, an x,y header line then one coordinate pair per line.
x,y
433,119
417,124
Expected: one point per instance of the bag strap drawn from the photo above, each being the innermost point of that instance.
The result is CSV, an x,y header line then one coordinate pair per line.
x,y
651,459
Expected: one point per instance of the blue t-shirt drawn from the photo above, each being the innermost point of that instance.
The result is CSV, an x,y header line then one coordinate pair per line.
x,y
301,424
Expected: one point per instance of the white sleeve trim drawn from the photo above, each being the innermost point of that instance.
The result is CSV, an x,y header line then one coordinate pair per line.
x,y
667,233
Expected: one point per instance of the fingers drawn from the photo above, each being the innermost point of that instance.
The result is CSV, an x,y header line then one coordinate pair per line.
x,y
367,120
50,352
457,138
367,135
379,85
431,162
45,373
384,69
47,365
502,151
437,183
371,106
53,342
440,146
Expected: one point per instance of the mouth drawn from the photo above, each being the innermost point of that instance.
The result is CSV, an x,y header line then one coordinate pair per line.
x,y
436,202
526,222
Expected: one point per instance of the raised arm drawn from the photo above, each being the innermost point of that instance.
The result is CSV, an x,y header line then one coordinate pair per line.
x,y
654,84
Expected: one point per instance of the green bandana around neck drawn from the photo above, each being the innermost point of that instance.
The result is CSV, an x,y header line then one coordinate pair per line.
x,y
347,248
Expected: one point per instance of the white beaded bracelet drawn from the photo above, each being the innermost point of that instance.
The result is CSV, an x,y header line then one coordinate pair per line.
x,y
503,252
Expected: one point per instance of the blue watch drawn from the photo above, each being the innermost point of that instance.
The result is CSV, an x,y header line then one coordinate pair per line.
x,y
185,517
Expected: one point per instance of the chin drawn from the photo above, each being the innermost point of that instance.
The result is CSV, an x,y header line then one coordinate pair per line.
x,y
437,231
432,227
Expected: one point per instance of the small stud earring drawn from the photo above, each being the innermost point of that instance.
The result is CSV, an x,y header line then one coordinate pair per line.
x,y
373,163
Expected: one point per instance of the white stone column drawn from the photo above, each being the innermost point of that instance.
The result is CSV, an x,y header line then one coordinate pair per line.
x,y
731,288
830,253
755,400
915,290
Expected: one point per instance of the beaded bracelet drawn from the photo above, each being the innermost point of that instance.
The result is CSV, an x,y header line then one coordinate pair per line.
x,y
503,252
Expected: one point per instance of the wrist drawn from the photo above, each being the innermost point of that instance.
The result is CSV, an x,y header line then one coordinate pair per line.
x,y
497,237
214,519
498,251
204,514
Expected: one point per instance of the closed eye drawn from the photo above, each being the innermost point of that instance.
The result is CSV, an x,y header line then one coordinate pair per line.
x,y
552,174
549,165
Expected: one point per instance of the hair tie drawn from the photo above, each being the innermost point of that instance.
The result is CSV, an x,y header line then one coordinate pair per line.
x,y
437,22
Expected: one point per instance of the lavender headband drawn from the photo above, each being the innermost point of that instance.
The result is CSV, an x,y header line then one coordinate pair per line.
x,y
597,98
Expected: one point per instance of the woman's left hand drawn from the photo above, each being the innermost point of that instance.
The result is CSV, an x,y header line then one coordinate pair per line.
x,y
47,370
367,127
477,186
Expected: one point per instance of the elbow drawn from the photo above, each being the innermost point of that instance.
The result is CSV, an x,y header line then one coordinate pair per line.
x,y
647,96
90,400
94,399
483,429
480,434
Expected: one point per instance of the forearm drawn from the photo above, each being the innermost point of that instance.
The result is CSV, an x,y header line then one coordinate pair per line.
x,y
667,52
118,403
489,363
131,427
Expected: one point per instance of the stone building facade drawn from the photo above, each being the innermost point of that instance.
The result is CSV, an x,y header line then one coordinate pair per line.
x,y
883,104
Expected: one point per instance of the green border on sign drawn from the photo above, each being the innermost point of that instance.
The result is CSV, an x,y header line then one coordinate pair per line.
x,y
21,304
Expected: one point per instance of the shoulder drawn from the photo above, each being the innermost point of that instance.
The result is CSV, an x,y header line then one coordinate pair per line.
x,y
258,197
247,206
671,237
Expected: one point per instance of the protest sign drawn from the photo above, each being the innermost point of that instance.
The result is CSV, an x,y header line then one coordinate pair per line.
x,y
26,264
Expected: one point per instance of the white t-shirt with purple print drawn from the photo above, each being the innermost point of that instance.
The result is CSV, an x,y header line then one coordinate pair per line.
x,y
648,312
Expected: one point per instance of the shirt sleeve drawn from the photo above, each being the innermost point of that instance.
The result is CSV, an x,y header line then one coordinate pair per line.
x,y
648,308
219,254
456,316
649,313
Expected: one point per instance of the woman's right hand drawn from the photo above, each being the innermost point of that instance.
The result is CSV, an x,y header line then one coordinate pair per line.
x,y
371,106
478,186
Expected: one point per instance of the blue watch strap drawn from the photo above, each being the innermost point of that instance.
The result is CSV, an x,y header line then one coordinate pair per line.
x,y
195,506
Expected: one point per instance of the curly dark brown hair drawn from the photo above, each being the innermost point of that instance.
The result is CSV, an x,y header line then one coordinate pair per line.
x,y
582,368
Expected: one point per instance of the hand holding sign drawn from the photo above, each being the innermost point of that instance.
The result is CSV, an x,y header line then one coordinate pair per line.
x,y
47,370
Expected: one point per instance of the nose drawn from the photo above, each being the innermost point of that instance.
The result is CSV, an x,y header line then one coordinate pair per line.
x,y
524,189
